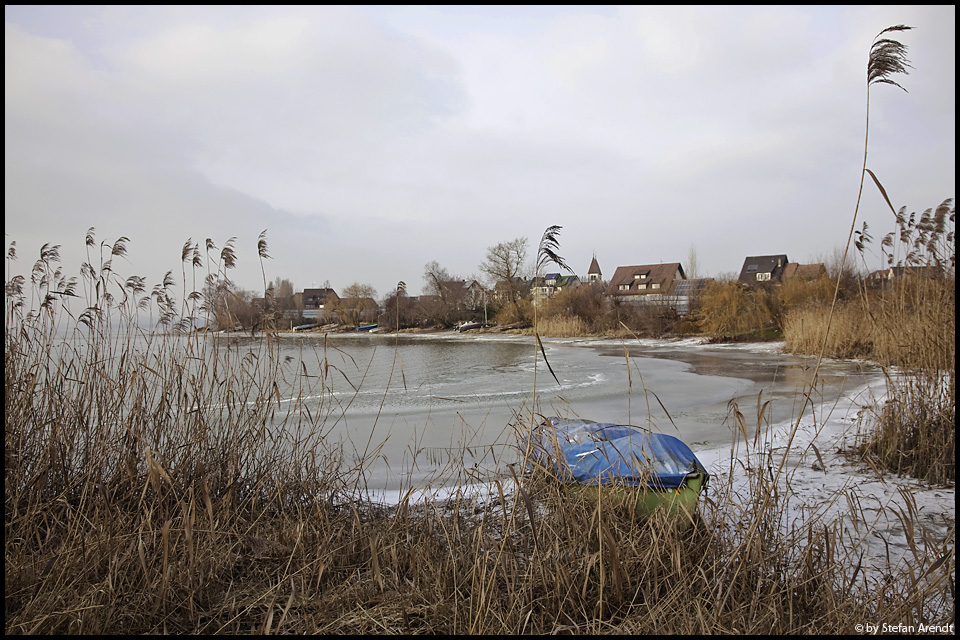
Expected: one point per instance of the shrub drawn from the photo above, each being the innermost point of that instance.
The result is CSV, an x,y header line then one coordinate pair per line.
x,y
728,309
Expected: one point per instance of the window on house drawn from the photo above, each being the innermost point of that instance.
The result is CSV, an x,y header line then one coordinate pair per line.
x,y
752,267
763,276
656,285
642,286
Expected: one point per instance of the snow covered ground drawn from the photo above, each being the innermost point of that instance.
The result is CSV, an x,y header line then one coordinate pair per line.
x,y
892,521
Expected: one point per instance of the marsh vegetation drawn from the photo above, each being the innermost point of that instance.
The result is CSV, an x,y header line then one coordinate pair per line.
x,y
154,483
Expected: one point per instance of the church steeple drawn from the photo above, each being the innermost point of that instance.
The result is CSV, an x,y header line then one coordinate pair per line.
x,y
593,273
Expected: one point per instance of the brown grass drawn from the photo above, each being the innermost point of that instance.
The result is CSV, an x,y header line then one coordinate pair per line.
x,y
157,484
910,328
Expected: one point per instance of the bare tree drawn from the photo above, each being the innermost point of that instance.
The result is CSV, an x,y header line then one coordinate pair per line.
x,y
436,278
693,265
398,308
504,268
230,306
846,275
448,292
357,302
282,288
278,298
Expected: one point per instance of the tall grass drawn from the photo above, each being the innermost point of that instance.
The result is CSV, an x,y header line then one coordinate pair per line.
x,y
909,323
162,483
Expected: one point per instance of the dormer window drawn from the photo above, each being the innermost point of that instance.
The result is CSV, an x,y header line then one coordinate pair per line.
x,y
761,277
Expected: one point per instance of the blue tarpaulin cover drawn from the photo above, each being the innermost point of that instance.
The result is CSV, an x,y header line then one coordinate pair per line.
x,y
604,453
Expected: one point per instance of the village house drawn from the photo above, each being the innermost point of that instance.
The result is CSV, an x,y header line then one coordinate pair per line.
x,y
884,277
454,301
687,293
645,283
514,289
763,269
552,284
804,271
316,303
458,293
474,295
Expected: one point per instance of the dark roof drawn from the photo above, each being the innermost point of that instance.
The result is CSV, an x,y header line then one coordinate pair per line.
x,y
515,281
314,298
594,267
638,279
772,264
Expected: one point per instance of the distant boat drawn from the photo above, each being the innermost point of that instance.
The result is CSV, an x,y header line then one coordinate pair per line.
x,y
467,326
644,470
366,327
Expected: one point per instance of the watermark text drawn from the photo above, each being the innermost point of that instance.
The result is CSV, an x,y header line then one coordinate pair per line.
x,y
886,627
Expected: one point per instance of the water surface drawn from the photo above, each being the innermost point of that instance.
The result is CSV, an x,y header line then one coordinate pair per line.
x,y
417,401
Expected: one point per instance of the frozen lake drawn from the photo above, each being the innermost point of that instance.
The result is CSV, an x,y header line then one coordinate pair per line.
x,y
410,404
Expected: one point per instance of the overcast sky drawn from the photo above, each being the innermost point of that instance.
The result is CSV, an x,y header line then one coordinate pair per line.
x,y
371,141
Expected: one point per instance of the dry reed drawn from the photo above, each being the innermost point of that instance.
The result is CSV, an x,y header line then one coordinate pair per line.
x,y
158,483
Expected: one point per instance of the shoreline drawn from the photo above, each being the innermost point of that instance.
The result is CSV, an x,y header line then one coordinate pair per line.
x,y
820,474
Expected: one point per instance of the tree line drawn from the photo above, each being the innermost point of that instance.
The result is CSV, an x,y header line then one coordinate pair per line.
x,y
725,308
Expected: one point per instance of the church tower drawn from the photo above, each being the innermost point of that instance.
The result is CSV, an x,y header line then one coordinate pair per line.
x,y
593,273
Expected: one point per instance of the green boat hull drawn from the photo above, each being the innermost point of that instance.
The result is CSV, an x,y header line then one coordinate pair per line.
x,y
644,501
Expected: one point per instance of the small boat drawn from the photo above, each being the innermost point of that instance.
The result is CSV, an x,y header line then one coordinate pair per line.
x,y
642,469
467,326
366,327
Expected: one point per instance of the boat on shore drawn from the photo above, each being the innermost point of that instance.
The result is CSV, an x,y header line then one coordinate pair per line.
x,y
642,470
467,326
